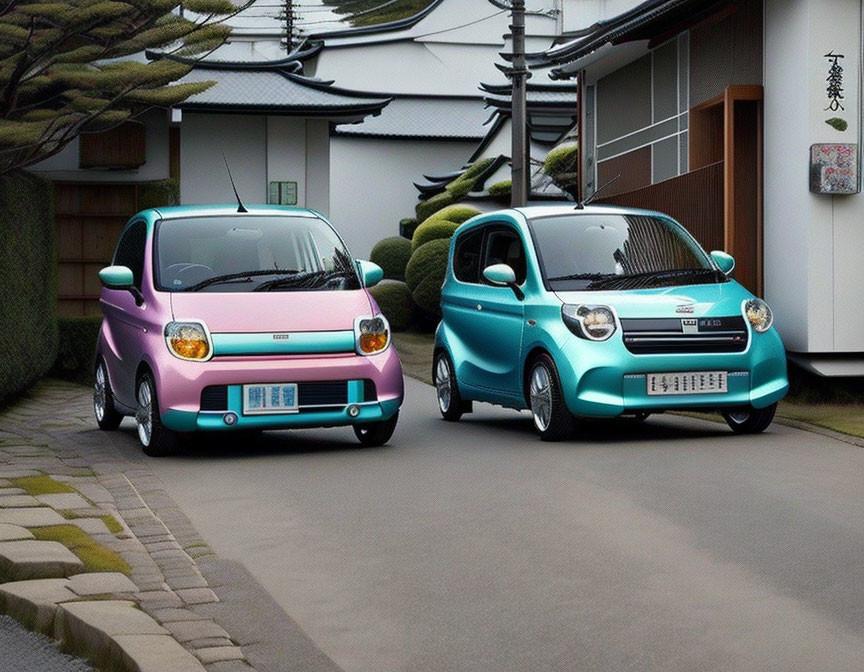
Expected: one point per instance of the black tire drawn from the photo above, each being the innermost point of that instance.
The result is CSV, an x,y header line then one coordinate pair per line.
x,y
107,416
552,418
376,433
750,420
450,401
159,441
638,418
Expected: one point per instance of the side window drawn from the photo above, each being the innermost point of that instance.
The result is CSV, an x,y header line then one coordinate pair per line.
x,y
466,256
504,246
130,250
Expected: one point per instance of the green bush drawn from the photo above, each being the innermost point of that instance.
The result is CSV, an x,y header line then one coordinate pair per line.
x,y
455,213
424,274
394,300
158,194
392,255
28,277
76,353
429,207
432,229
455,190
561,159
501,190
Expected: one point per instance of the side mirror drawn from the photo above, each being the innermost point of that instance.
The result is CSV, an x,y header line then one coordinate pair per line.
x,y
120,277
725,262
117,277
503,275
371,273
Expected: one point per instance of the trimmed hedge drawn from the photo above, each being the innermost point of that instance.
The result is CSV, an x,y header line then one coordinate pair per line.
x,y
455,190
156,194
407,226
501,190
28,276
394,300
432,229
455,213
424,274
76,353
560,159
392,255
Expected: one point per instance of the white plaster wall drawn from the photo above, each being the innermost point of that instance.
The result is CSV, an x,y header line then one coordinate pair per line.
x,y
813,242
64,165
318,165
371,183
286,153
203,139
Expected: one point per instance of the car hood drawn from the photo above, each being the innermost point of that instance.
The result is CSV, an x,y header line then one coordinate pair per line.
x,y
723,299
247,312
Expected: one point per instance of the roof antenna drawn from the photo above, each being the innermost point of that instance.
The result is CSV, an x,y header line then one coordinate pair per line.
x,y
240,206
586,201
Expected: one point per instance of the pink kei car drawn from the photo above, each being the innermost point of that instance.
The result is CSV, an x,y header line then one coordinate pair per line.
x,y
219,320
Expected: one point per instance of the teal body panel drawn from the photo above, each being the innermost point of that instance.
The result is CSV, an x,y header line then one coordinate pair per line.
x,y
492,337
190,421
317,342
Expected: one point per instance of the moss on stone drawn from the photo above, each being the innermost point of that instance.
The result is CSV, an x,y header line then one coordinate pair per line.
x,y
41,485
95,556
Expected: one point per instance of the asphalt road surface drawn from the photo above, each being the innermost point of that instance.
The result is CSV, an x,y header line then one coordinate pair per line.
x,y
25,651
673,545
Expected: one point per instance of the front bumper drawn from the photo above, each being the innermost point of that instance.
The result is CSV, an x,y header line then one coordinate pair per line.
x,y
606,380
180,383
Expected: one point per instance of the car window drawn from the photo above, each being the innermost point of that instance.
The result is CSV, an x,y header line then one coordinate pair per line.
x,y
504,246
130,250
244,253
466,256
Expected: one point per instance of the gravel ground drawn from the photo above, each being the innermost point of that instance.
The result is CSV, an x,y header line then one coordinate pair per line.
x,y
25,650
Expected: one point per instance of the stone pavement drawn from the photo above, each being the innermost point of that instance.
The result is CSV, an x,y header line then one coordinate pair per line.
x,y
160,611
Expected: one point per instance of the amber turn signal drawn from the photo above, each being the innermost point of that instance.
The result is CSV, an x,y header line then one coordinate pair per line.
x,y
372,335
187,340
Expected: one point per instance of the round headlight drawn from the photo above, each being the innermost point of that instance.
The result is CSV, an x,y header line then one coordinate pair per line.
x,y
758,314
596,323
371,334
187,340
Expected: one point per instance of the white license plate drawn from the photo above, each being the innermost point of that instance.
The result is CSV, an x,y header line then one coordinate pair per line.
x,y
688,382
278,398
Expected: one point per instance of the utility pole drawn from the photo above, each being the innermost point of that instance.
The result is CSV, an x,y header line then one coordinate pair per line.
x,y
519,150
289,16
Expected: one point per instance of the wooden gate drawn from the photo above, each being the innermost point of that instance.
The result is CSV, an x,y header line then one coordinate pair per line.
x,y
88,218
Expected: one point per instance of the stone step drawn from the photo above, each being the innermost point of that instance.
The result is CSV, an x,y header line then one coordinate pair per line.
x,y
32,559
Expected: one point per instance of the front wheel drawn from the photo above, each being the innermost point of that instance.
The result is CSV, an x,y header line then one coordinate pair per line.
x,y
552,418
376,433
750,420
107,416
156,439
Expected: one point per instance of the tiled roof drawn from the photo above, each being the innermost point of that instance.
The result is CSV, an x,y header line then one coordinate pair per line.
x,y
418,117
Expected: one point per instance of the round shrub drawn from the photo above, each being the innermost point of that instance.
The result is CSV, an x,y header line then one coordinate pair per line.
x,y
392,255
455,213
432,229
394,300
432,205
501,190
424,274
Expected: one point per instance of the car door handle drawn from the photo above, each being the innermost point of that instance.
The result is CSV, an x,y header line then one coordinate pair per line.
x,y
479,307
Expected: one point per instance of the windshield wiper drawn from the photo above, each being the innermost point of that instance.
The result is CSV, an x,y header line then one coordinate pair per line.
x,y
303,280
246,276
638,280
583,276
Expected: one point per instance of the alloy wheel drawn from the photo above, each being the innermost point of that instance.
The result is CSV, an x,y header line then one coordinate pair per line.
x,y
144,414
99,393
541,397
442,385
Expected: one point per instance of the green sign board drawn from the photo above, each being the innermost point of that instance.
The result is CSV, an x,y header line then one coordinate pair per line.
x,y
283,193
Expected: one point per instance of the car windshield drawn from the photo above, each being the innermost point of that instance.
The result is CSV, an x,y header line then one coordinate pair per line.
x,y
613,251
245,253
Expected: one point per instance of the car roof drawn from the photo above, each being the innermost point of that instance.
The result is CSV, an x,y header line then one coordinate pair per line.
x,y
532,212
177,211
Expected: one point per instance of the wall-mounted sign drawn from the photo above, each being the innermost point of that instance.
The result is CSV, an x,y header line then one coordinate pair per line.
x,y
834,169
282,193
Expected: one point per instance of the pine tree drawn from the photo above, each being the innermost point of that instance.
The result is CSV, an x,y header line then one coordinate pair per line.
x,y
78,65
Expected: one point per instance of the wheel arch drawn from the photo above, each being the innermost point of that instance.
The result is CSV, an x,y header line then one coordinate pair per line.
x,y
532,355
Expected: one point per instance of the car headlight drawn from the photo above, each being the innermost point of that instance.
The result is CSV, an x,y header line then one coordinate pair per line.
x,y
596,323
758,314
371,335
188,340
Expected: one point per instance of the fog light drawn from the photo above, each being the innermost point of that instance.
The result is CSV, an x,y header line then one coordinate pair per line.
x,y
353,411
230,419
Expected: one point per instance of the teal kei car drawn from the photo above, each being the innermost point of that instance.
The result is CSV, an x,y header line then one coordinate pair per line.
x,y
600,312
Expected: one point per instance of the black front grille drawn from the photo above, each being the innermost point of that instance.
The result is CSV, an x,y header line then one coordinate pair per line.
x,y
370,393
649,336
214,398
330,393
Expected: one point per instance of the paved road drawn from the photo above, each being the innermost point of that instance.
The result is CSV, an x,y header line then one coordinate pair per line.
x,y
22,650
673,545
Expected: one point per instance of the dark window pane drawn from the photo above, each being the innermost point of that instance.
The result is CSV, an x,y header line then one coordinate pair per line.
x,y
130,250
504,246
466,257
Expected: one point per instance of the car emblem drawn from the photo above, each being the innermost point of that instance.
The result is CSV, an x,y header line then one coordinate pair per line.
x,y
690,326
684,308
281,337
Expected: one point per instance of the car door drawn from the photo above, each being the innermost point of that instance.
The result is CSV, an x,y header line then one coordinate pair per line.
x,y
491,319
123,317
